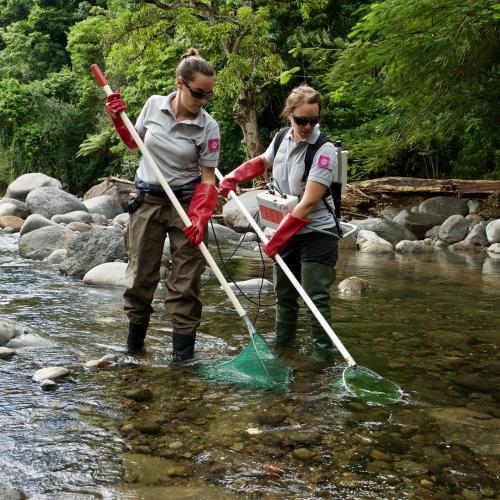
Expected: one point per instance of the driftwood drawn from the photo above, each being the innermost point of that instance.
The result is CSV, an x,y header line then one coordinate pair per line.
x,y
370,196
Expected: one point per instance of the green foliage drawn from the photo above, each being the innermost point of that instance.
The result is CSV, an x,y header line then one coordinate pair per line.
x,y
432,66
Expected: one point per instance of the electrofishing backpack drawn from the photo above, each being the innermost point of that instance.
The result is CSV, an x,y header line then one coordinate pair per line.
x,y
339,181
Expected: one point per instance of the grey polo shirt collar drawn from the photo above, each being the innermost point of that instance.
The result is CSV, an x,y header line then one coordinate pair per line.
x,y
166,106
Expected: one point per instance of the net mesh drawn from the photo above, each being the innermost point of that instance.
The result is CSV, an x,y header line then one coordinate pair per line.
x,y
368,385
256,366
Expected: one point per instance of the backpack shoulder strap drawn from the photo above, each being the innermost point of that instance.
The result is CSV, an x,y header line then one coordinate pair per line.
x,y
279,139
312,149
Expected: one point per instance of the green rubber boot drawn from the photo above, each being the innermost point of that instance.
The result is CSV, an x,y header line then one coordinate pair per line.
x,y
287,308
317,281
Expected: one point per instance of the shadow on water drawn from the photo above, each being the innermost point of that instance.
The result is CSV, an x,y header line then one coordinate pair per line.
x,y
143,428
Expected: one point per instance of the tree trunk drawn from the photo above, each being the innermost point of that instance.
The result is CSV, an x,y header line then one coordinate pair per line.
x,y
246,117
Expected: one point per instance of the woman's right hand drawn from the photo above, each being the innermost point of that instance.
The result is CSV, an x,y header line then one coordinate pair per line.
x,y
115,104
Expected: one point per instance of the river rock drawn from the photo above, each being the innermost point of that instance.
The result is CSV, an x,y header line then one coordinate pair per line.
x,y
386,229
370,242
355,286
477,236
50,373
6,353
35,221
417,223
410,468
11,206
107,274
475,383
79,227
11,221
220,233
420,246
100,220
11,494
493,231
23,185
121,219
57,256
462,246
147,469
139,394
478,431
75,216
233,216
453,229
40,243
88,250
105,205
494,251
10,329
444,206
49,201
473,220
255,285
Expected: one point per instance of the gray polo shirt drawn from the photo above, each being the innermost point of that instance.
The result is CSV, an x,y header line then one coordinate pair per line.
x,y
288,169
180,149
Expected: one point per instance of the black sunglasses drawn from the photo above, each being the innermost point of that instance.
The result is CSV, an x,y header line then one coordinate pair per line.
x,y
301,120
197,94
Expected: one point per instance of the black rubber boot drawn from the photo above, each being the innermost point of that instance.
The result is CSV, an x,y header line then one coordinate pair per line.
x,y
182,346
287,308
317,280
136,336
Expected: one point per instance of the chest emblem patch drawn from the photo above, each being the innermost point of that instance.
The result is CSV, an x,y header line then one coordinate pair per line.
x,y
324,162
213,145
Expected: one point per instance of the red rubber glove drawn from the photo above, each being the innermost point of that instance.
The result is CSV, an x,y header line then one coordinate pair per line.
x,y
114,106
200,210
246,171
287,228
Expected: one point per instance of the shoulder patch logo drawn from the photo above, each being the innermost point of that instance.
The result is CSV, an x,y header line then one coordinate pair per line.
x,y
213,145
324,162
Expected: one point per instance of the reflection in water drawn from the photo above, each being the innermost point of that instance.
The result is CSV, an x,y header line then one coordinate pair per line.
x,y
142,428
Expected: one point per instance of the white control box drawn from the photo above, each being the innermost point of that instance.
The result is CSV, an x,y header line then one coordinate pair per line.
x,y
274,207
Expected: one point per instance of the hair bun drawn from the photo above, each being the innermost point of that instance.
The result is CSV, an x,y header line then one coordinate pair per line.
x,y
190,53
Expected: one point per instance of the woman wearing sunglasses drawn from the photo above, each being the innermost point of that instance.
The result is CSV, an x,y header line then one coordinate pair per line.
x,y
184,142
306,238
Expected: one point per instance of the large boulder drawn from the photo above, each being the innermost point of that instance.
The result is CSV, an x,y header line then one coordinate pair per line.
x,y
453,229
11,206
40,243
23,185
417,223
92,248
387,230
233,216
444,206
105,205
49,201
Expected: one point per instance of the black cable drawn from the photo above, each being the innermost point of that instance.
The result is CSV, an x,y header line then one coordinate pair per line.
x,y
257,303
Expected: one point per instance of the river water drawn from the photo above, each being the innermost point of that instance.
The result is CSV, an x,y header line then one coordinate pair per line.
x,y
432,326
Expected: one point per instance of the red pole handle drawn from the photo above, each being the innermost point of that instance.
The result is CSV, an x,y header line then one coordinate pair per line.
x,y
98,75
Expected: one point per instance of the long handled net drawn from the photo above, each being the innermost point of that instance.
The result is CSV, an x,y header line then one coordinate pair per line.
x,y
364,383
256,366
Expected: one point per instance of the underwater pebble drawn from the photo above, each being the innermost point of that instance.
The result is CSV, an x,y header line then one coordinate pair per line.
x,y
253,431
